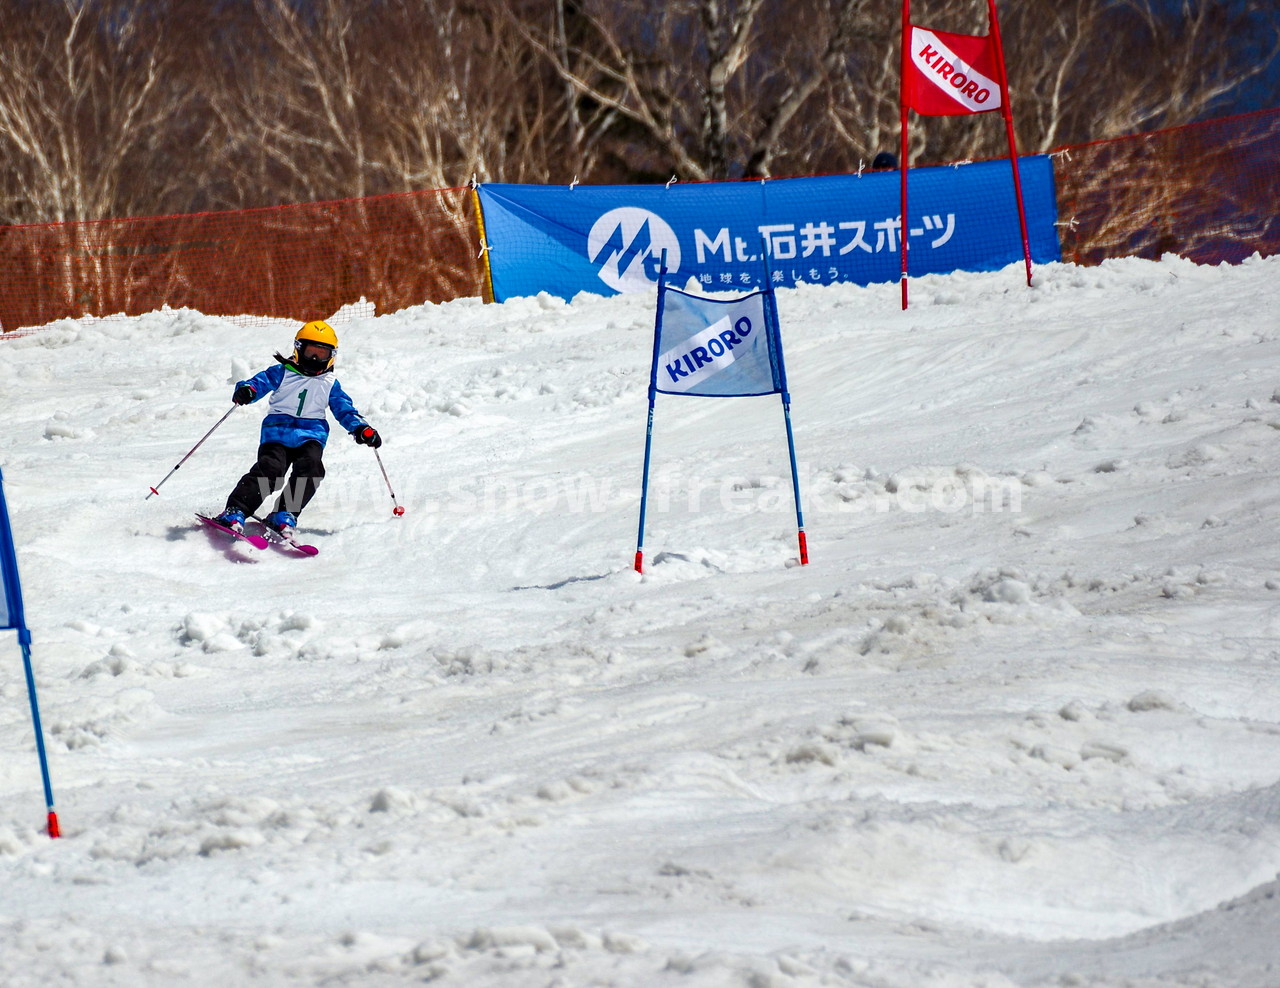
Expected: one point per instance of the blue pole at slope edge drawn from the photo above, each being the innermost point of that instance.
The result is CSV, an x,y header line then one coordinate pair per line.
x,y
15,618
648,435
24,638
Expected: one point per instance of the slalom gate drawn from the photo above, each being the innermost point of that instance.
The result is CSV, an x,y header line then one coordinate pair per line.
x,y
722,347
1208,191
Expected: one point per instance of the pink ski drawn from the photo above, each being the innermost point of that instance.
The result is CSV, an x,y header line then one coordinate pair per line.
x,y
276,539
285,541
257,541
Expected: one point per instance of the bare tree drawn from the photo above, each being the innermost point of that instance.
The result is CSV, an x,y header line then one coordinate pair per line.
x,y
1112,69
1084,70
340,99
457,98
113,108
704,88
1206,193
85,104
299,98
852,25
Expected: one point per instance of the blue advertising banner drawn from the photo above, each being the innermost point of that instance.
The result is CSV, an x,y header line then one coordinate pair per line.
x,y
835,229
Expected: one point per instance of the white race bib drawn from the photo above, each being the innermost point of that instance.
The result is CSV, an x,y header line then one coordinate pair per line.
x,y
301,396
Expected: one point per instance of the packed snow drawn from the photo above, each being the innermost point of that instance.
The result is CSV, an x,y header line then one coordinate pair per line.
x,y
1016,724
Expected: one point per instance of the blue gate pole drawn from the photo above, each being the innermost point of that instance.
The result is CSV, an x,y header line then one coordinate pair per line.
x,y
775,337
24,639
795,481
648,435
15,618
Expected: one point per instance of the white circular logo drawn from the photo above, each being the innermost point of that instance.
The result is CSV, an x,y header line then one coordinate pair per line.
x,y
626,246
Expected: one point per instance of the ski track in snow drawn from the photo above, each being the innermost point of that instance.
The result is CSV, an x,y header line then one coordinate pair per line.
x,y
1032,744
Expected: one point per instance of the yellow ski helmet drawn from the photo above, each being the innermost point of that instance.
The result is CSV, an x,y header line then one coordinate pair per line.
x,y
314,347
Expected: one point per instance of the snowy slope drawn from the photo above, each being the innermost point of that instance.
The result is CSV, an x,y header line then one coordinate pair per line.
x,y
1017,723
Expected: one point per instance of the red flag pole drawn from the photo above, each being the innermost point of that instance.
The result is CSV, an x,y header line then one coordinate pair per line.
x,y
903,164
1007,111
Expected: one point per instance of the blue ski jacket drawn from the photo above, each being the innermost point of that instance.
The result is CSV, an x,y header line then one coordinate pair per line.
x,y
296,413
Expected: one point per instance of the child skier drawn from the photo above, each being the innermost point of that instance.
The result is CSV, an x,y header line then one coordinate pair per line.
x,y
295,430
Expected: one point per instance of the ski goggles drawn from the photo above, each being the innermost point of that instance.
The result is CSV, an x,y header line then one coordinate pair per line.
x,y
314,351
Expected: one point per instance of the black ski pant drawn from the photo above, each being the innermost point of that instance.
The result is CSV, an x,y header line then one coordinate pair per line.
x,y
267,475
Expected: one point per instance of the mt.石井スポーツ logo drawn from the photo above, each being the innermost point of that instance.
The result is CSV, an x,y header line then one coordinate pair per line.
x,y
626,246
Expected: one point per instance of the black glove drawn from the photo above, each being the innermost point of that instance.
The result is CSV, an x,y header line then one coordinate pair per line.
x,y
243,395
367,435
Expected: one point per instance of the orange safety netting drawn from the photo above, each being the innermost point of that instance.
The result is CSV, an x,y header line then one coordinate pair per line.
x,y
293,262
1208,191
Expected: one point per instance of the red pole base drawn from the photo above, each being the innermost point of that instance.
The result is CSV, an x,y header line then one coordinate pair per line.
x,y
804,549
397,511
639,560
54,830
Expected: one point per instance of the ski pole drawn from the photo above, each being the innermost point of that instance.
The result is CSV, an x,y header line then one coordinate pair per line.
x,y
396,510
156,489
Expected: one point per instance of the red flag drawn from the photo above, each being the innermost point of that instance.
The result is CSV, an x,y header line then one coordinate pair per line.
x,y
950,74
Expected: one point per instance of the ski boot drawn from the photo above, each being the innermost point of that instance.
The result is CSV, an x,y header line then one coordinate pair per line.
x,y
232,518
282,523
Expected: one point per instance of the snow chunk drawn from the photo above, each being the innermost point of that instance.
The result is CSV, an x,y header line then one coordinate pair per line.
x,y
1073,711
813,752
1154,700
573,938
392,799
197,627
1008,591
496,937
10,844
223,641
59,428
1056,755
230,840
624,943
1105,750
880,732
